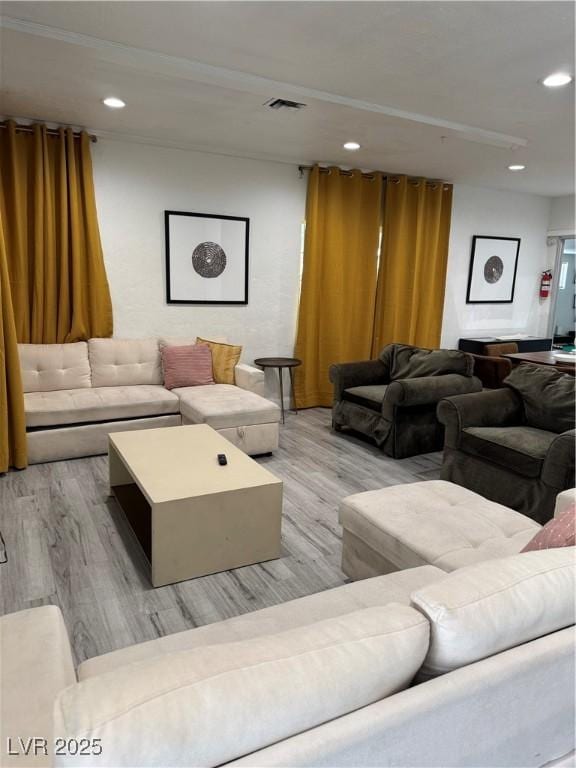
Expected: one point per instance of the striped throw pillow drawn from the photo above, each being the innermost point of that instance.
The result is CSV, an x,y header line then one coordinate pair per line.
x,y
189,366
558,532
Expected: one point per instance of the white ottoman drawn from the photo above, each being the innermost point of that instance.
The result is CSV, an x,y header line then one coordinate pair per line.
x,y
248,420
429,523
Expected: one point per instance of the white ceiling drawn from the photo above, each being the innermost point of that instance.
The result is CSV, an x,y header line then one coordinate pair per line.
x,y
443,89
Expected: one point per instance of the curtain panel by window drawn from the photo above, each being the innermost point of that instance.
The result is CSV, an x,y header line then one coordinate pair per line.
x,y
55,265
12,424
412,278
339,278
53,285
354,300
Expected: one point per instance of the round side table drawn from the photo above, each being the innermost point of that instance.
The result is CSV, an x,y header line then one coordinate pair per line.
x,y
281,363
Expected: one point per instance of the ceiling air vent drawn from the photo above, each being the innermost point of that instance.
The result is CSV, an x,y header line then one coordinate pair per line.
x,y
293,106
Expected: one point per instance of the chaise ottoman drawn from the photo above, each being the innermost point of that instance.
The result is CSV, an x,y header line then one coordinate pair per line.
x,y
246,419
427,523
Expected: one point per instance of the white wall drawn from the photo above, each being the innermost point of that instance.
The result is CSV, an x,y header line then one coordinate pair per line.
x,y
562,216
135,183
481,211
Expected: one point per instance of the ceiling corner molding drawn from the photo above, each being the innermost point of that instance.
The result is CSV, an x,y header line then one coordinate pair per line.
x,y
183,68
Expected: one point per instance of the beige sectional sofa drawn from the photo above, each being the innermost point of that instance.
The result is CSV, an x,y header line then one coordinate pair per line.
x,y
415,668
76,394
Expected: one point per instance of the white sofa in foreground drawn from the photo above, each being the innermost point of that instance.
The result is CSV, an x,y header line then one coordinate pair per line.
x,y
76,394
414,669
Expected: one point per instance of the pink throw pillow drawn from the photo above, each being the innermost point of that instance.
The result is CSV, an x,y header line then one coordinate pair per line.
x,y
189,366
559,532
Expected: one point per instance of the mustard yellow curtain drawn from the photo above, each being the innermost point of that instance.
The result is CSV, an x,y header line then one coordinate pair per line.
x,y
12,429
53,285
412,276
54,257
339,278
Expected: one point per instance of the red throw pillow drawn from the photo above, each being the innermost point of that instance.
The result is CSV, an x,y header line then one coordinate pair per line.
x,y
559,532
189,366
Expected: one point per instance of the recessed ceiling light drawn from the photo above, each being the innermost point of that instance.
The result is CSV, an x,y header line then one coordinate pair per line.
x,y
557,79
351,146
113,102
516,167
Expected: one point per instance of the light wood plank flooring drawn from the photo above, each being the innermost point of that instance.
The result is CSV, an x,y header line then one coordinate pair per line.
x,y
67,543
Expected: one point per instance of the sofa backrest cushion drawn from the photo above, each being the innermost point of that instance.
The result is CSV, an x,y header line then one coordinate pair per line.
x,y
480,610
548,396
409,362
49,367
208,705
124,362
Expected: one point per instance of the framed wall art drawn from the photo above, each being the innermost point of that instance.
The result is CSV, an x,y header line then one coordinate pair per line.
x,y
206,258
493,265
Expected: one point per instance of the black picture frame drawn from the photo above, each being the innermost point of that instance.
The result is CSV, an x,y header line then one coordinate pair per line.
x,y
167,216
475,241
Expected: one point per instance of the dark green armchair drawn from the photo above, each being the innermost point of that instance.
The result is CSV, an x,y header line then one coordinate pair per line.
x,y
393,399
514,445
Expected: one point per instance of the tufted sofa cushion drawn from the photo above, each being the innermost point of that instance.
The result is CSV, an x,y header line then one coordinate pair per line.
x,y
50,367
80,406
225,405
124,362
436,523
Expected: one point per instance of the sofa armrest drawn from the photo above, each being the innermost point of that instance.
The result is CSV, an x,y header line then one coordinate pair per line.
x,y
250,378
36,666
558,469
491,408
491,370
345,375
426,390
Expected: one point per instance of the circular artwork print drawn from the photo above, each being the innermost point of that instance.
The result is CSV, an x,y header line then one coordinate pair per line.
x,y
493,269
209,259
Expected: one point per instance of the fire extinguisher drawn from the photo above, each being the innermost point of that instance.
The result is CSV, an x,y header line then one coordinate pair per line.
x,y
545,282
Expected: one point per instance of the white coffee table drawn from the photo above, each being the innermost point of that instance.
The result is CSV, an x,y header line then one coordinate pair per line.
x,y
191,515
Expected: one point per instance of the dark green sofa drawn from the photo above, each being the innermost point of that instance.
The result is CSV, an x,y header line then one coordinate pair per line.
x,y
514,445
393,399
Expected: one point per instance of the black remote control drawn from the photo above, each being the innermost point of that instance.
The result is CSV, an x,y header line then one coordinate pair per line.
x,y
222,460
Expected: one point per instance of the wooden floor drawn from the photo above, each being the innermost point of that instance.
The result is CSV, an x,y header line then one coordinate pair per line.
x,y
67,543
